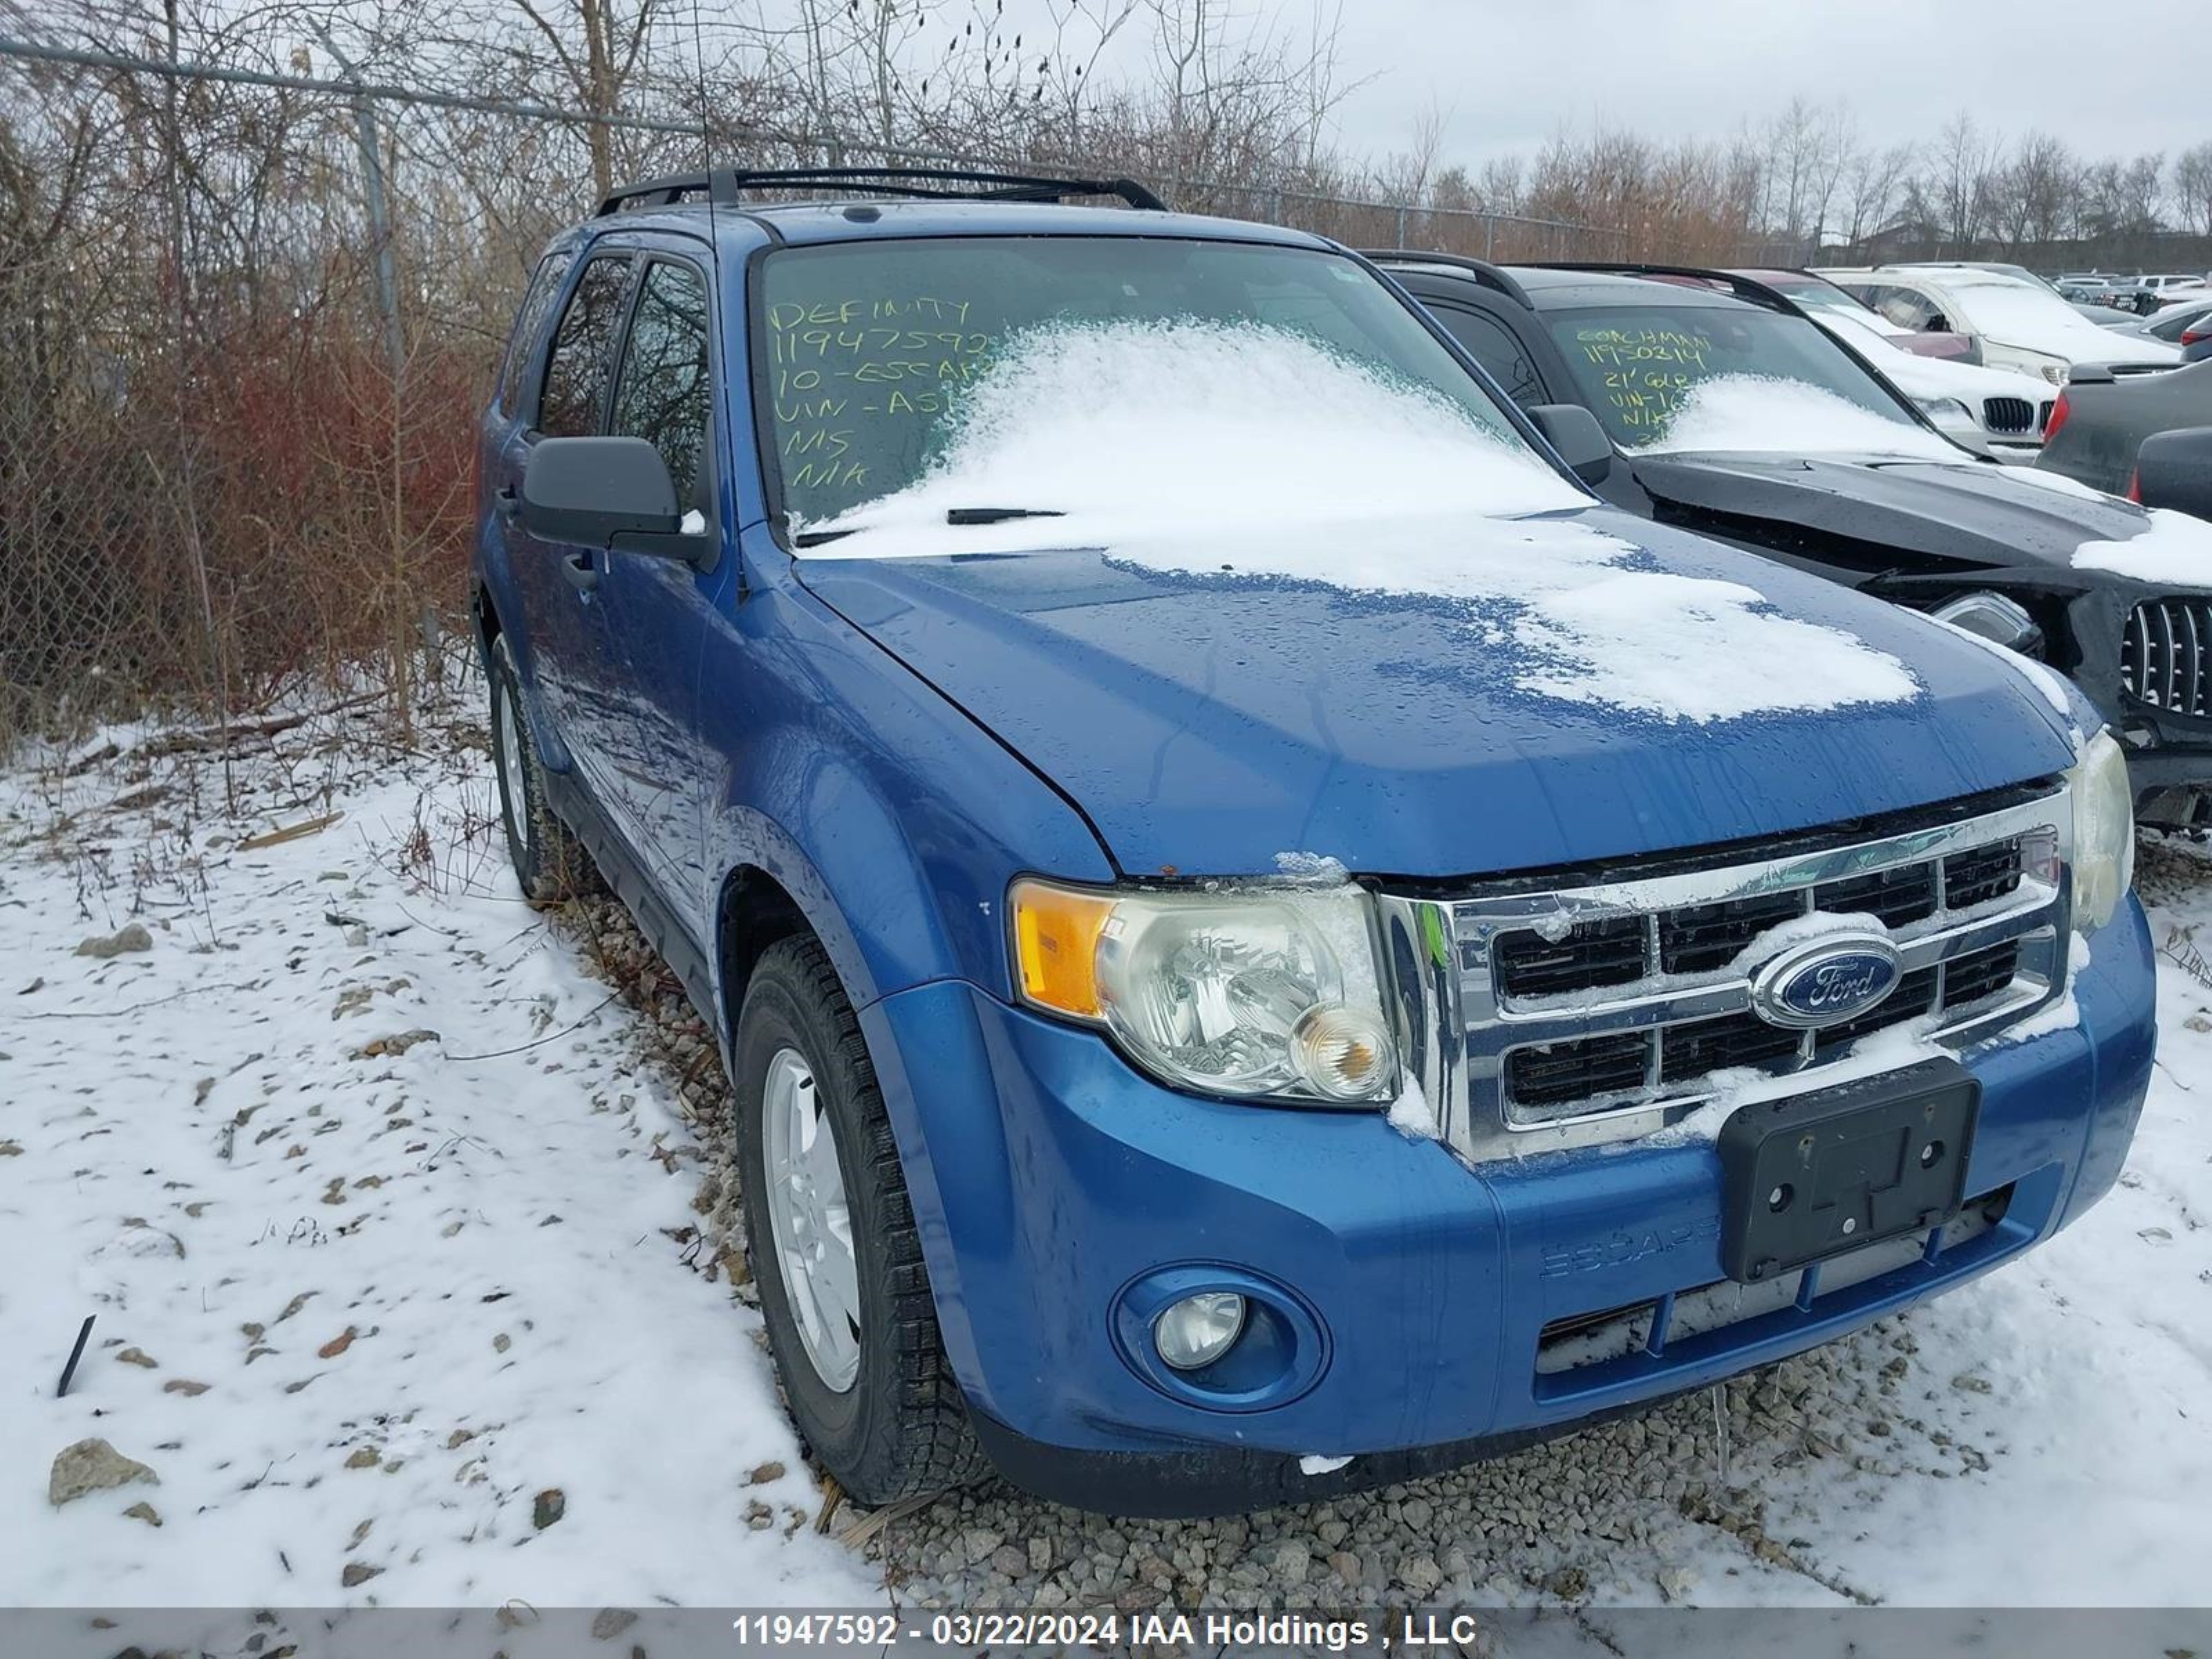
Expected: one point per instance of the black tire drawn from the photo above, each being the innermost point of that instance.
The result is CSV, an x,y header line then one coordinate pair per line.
x,y
549,861
901,1429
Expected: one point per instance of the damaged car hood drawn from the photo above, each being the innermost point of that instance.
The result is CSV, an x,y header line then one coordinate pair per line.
x,y
1885,515
1207,720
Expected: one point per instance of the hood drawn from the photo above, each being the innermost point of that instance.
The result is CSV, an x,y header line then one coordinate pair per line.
x,y
1919,516
2077,340
1939,377
1208,721
1930,375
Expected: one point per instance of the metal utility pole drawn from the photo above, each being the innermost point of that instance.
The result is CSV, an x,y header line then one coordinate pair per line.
x,y
372,190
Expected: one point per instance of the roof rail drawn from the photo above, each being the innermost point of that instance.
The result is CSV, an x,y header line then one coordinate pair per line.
x,y
1488,275
725,186
1741,288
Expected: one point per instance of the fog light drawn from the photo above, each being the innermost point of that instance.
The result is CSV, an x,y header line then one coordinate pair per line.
x,y
1198,1330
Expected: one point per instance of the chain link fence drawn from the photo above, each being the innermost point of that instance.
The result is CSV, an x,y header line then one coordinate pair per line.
x,y
247,317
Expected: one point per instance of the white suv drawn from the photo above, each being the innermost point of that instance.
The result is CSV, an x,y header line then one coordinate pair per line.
x,y
2017,324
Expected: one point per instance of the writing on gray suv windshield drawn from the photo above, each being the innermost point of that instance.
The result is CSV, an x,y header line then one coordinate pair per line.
x,y
1639,366
864,346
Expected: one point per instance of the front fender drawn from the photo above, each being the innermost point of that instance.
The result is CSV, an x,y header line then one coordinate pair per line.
x,y
891,818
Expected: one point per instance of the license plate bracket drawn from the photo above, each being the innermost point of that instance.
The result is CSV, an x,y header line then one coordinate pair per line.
x,y
1813,1176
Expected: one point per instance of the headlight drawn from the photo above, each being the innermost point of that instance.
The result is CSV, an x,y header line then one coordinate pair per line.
x,y
1258,991
2055,372
1995,618
1949,414
2103,832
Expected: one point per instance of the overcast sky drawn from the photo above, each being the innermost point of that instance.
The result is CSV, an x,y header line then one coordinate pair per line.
x,y
2110,79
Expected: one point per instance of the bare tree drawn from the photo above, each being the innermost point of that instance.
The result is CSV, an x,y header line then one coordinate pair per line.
x,y
1873,189
2192,186
596,43
2032,196
1961,167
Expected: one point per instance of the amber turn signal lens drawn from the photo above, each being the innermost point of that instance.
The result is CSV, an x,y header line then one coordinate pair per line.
x,y
1055,944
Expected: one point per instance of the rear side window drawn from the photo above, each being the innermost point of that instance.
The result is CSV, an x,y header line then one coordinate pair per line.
x,y
1490,345
583,350
663,392
537,301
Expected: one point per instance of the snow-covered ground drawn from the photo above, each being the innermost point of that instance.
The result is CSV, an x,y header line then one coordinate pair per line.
x,y
380,1197
377,1210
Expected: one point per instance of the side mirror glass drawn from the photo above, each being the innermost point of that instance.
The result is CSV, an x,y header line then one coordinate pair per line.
x,y
2174,469
609,494
1573,432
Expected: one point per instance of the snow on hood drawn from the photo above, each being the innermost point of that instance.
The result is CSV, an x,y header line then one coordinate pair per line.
x,y
1765,414
1927,377
2043,478
2012,313
2173,548
1206,449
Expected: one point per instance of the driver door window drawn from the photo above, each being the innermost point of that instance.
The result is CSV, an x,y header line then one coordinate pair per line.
x,y
1908,307
583,350
1492,345
663,392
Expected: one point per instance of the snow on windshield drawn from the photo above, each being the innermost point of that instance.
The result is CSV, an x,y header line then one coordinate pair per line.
x,y
1123,427
1251,453
1761,414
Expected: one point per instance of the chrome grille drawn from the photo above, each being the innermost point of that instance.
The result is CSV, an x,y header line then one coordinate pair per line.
x,y
2163,655
2011,415
1560,1016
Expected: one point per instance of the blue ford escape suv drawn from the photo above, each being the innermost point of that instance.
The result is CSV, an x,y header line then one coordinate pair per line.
x,y
1265,940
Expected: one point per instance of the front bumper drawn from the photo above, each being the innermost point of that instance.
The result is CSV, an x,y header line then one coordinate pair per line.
x,y
1048,1177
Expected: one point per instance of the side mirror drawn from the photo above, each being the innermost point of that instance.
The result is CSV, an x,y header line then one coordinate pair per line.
x,y
2174,469
606,493
1574,432
2089,374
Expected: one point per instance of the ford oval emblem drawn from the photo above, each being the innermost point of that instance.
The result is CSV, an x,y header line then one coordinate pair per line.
x,y
1826,981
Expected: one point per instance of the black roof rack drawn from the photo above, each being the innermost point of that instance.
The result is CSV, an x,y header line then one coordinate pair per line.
x,y
726,186
1746,288
1482,271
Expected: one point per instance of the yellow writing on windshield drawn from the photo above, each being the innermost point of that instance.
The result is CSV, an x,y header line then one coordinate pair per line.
x,y
1645,372
887,361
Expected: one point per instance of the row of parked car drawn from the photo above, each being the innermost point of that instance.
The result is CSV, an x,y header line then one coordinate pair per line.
x,y
1999,550
1308,866
2140,295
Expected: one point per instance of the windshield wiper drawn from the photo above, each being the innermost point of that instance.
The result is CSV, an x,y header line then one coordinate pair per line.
x,y
998,514
958,515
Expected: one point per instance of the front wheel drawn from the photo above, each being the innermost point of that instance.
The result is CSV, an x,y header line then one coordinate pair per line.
x,y
831,1240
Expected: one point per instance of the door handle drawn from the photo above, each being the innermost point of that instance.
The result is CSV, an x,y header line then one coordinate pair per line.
x,y
581,570
510,504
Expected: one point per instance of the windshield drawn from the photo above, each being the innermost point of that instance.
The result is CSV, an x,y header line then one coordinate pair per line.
x,y
1827,296
869,347
1869,335
1640,367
